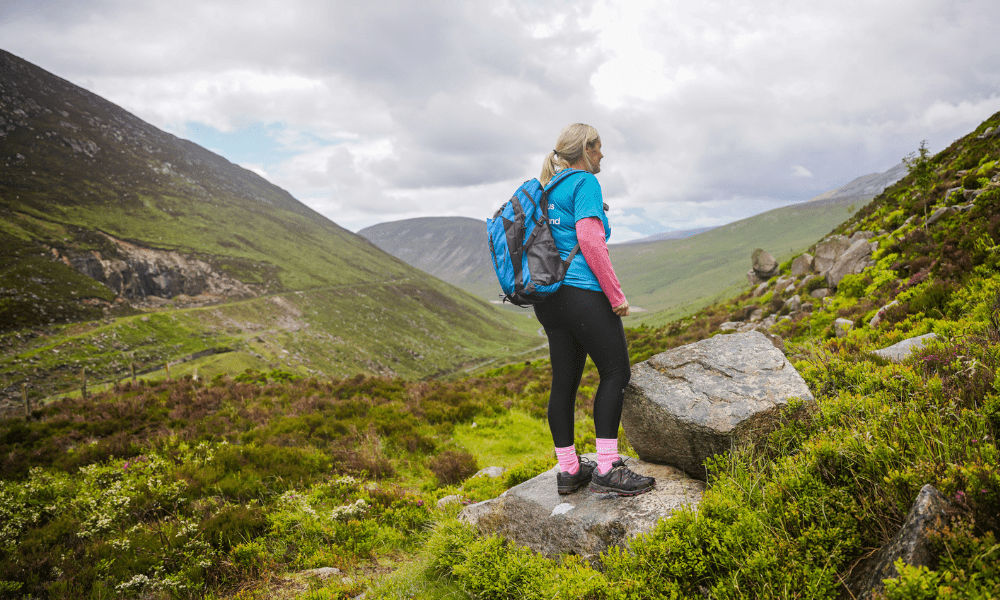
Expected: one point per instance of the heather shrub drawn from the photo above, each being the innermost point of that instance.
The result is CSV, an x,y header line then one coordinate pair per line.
x,y
452,466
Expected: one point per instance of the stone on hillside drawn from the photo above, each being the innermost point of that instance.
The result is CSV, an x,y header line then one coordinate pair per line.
x,y
742,314
971,195
930,512
802,264
491,472
729,326
756,315
754,280
794,304
967,207
450,499
901,351
764,265
985,134
951,191
782,282
759,290
687,404
807,307
880,313
321,572
842,326
828,251
533,514
861,235
853,261
820,293
941,213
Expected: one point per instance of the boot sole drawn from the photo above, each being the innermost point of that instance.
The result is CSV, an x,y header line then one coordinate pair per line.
x,y
569,489
600,489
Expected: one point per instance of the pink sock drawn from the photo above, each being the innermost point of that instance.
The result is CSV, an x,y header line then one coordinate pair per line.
x,y
607,453
568,460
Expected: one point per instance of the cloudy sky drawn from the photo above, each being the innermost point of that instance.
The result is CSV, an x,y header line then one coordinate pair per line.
x,y
369,112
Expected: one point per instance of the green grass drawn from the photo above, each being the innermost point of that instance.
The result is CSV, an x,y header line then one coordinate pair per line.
x,y
434,331
505,441
674,278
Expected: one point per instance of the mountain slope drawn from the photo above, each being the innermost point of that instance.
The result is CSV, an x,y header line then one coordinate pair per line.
x,y
672,278
104,215
74,159
451,248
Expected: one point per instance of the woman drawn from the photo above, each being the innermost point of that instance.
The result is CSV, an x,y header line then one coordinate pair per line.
x,y
584,317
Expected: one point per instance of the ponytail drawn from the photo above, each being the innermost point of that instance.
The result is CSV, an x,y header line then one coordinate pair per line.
x,y
571,145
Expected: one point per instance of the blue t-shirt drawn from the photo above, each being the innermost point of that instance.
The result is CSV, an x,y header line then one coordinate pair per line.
x,y
576,197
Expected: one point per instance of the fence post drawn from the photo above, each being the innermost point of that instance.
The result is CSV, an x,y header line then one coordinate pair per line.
x,y
167,367
83,382
131,367
27,402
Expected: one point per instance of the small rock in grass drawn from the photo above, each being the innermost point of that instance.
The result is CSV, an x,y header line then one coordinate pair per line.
x,y
842,326
901,351
452,499
321,573
491,472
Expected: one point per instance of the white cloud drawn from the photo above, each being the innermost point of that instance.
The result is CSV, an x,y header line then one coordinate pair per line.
x,y
393,109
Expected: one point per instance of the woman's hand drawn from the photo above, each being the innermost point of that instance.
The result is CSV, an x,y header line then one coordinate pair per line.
x,y
622,309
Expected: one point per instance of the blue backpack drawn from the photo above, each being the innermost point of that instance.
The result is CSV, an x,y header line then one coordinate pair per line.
x,y
524,253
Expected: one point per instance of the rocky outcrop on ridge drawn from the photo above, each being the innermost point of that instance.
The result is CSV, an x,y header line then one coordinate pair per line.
x,y
533,514
147,277
687,404
930,512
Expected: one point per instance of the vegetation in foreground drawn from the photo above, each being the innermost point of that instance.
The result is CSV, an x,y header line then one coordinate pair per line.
x,y
232,488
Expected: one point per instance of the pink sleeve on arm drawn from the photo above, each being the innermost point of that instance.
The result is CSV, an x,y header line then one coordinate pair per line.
x,y
590,234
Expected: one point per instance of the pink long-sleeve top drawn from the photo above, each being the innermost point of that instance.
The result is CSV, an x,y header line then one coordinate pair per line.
x,y
590,235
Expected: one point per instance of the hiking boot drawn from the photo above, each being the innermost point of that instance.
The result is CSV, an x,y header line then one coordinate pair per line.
x,y
567,484
620,480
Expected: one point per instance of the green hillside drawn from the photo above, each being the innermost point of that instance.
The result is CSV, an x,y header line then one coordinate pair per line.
x,y
674,278
450,248
105,217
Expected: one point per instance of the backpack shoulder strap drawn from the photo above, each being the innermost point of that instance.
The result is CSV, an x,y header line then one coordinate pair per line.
x,y
559,177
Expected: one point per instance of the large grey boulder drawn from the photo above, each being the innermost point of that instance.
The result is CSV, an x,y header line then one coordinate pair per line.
x,y
764,265
687,404
533,514
802,264
855,260
930,512
901,351
828,251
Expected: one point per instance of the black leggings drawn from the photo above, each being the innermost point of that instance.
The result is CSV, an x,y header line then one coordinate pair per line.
x,y
579,322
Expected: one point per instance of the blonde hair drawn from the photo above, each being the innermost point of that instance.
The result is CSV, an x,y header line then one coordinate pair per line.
x,y
572,144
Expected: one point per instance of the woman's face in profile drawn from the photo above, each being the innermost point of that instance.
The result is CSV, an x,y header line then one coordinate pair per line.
x,y
594,155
